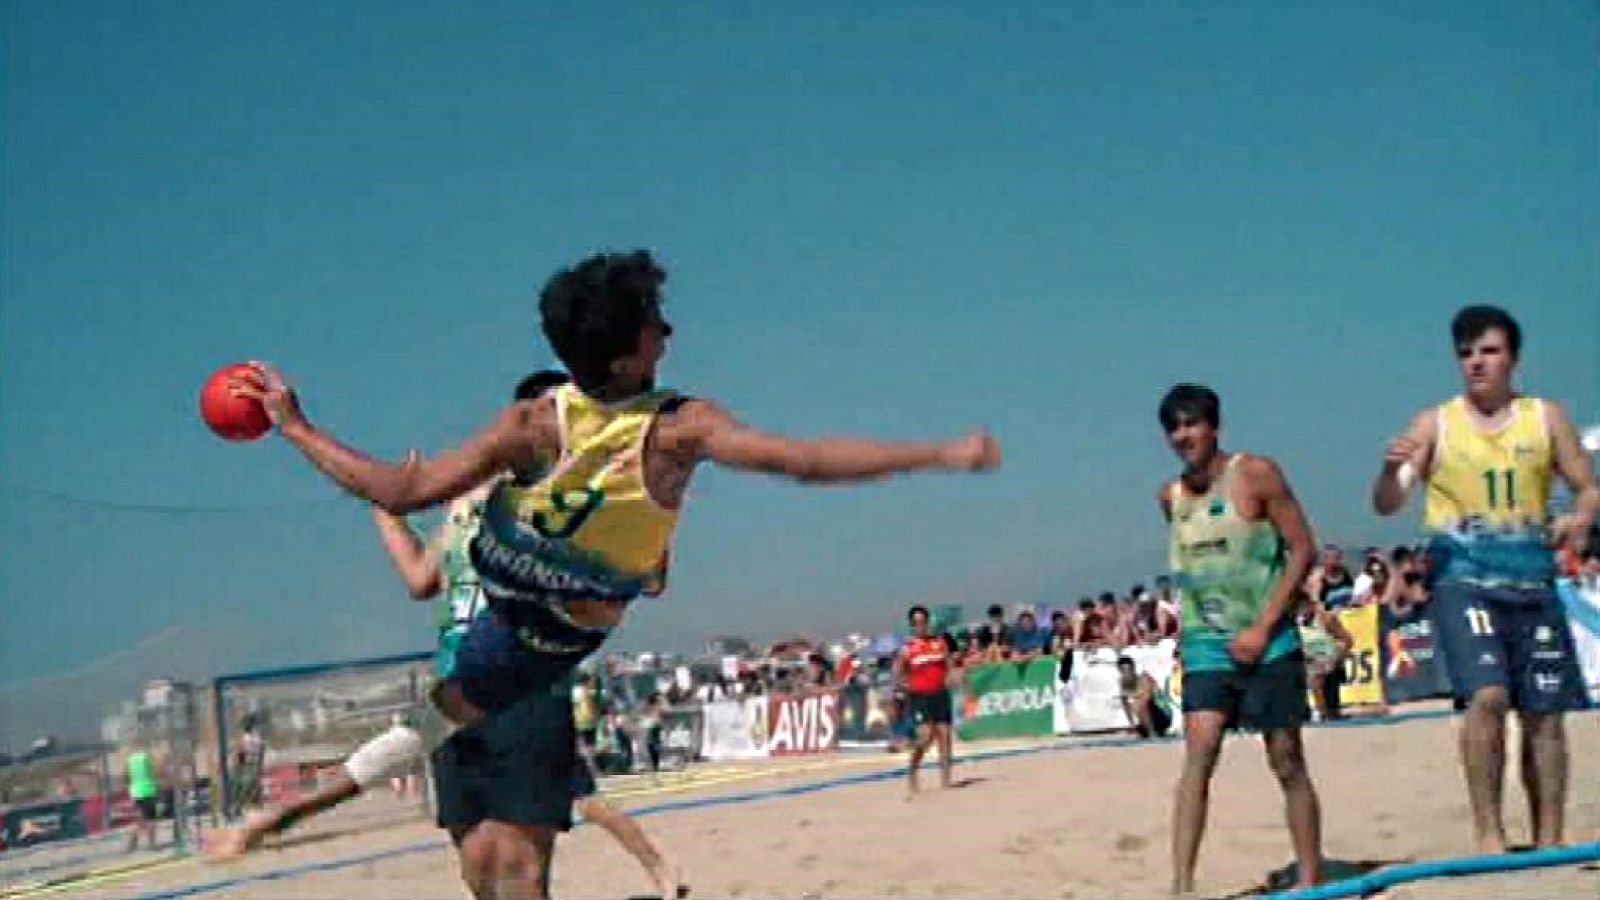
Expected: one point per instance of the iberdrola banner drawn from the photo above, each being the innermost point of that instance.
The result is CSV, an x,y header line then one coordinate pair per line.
x,y
1009,699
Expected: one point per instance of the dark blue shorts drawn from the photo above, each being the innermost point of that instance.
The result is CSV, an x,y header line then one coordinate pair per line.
x,y
1517,640
495,668
1266,696
518,765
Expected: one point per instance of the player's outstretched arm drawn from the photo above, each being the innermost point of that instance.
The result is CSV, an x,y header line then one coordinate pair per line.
x,y
399,488
1404,460
704,431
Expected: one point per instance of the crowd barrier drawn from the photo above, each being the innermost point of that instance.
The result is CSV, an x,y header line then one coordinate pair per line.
x,y
1393,660
798,724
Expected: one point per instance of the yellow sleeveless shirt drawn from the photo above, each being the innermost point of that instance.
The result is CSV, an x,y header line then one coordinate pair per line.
x,y
588,528
1488,495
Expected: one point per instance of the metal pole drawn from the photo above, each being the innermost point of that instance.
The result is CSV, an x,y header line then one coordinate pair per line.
x,y
225,796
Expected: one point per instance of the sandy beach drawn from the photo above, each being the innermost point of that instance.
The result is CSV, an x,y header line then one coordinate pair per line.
x,y
1055,821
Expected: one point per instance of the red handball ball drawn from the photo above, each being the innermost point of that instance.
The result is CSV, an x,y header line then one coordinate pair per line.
x,y
232,418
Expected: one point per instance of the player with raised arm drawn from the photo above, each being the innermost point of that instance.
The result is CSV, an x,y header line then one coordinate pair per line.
x,y
599,468
1487,459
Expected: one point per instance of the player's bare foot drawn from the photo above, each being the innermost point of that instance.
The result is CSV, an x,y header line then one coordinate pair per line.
x,y
229,844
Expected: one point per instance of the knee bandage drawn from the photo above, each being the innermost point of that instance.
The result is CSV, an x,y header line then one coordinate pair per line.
x,y
383,754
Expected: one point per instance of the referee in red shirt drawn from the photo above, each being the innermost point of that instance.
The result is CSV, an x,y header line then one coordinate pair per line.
x,y
923,669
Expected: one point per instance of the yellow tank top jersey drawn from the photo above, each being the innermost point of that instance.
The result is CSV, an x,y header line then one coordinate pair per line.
x,y
589,527
1488,495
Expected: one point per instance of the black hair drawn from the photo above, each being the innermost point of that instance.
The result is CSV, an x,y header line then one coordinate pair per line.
x,y
1108,597
1473,322
1086,605
534,385
996,609
1190,401
1057,616
912,612
592,313
1126,661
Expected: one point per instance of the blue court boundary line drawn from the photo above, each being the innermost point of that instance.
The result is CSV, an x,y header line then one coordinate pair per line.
x,y
1338,890
1445,868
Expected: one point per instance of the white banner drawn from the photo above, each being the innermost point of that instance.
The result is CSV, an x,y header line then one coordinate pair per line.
x,y
735,729
1092,700
1582,602
803,723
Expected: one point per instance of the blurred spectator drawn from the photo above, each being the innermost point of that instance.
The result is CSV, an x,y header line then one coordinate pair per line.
x,y
1167,598
144,787
676,695
586,711
621,741
1152,622
716,690
997,637
650,727
1335,585
819,673
902,727
1061,640
847,670
249,760
1407,588
973,649
1124,629
1372,585
1326,643
1096,620
751,684
1146,705
1028,640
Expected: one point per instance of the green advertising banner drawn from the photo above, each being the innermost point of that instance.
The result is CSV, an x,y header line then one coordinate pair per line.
x,y
45,822
1009,699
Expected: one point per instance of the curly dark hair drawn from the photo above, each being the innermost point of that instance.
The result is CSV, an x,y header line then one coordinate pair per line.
x,y
592,313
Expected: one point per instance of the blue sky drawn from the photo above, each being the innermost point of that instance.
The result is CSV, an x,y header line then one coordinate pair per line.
x,y
904,219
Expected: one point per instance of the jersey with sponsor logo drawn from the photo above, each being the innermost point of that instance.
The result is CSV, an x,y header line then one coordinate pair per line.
x,y
1487,497
586,529
927,665
1226,566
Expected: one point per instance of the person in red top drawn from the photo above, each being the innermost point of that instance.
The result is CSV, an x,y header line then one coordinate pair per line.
x,y
923,670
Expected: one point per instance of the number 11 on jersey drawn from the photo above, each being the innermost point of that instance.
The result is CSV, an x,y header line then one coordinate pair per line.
x,y
1480,622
